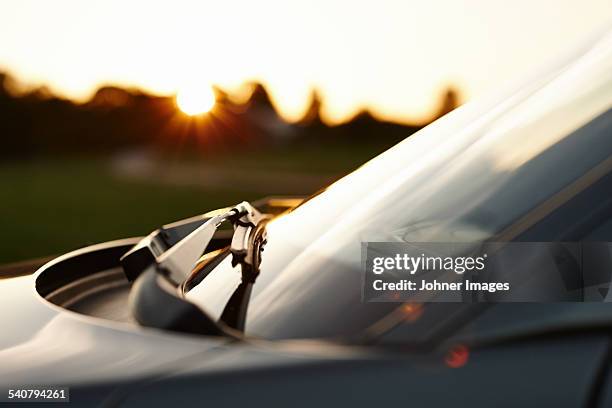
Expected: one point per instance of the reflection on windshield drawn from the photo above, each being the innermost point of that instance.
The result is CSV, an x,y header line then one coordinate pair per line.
x,y
465,178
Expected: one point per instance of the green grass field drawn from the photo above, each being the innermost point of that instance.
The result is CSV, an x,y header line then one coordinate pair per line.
x,y
53,206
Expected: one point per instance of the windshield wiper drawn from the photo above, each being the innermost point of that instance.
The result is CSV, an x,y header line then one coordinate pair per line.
x,y
162,262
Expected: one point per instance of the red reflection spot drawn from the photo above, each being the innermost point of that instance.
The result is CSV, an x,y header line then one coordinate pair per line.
x,y
457,356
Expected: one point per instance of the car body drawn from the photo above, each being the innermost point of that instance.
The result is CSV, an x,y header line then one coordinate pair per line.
x,y
510,166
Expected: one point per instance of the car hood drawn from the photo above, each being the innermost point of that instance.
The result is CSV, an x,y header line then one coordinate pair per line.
x,y
101,361
39,338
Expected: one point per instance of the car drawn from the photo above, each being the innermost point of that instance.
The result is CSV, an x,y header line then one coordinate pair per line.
x,y
270,311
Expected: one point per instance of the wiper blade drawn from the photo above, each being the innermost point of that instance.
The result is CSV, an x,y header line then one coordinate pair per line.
x,y
177,247
161,263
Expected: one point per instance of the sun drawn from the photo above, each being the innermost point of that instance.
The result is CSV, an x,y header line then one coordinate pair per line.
x,y
196,100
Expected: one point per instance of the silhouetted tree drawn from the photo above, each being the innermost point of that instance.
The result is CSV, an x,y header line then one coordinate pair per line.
x,y
312,116
450,101
39,123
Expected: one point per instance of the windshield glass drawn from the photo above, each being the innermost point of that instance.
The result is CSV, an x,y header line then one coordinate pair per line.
x,y
470,176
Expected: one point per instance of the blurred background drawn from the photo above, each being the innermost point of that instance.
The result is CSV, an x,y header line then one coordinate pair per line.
x,y
117,117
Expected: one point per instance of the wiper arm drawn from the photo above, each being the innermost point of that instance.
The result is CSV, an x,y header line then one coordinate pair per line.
x,y
177,247
180,259
162,262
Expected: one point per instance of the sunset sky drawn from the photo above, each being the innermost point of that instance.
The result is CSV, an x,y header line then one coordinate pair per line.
x,y
393,57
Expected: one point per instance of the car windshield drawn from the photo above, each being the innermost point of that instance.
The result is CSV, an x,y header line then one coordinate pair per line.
x,y
468,177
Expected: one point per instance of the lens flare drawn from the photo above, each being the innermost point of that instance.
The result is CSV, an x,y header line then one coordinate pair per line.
x,y
196,100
